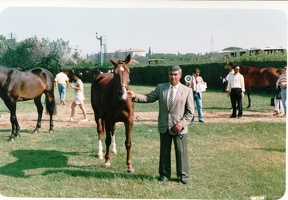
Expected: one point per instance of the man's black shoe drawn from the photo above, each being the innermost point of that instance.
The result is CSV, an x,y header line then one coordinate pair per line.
x,y
232,116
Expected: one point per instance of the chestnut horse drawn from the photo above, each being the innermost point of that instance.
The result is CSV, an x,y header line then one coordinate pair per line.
x,y
17,85
110,104
258,78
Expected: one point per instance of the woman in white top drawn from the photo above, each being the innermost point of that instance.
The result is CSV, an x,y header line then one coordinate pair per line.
x,y
278,106
78,97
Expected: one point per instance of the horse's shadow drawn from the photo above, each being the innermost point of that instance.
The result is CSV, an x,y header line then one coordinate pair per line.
x,y
54,162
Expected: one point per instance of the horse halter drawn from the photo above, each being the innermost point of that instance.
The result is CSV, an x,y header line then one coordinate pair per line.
x,y
122,89
121,80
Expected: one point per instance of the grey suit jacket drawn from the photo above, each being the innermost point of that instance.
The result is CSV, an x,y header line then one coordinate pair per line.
x,y
182,110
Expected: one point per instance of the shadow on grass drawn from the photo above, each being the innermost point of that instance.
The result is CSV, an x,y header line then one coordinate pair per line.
x,y
273,149
52,160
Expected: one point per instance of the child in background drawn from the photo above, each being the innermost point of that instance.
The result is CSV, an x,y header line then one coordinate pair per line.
x,y
78,97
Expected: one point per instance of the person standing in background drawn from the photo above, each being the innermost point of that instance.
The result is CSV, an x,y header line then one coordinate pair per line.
x,y
283,86
230,67
197,95
62,82
236,89
278,105
78,97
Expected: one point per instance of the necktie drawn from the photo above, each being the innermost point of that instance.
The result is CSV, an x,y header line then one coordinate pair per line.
x,y
170,101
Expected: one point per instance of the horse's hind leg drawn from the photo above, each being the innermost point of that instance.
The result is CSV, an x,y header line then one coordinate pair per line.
x,y
39,106
50,108
249,97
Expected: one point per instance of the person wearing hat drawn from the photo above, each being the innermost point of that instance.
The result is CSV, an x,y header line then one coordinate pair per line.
x,y
78,97
283,86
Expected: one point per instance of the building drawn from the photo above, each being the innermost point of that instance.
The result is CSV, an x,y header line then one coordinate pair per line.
x,y
124,53
252,51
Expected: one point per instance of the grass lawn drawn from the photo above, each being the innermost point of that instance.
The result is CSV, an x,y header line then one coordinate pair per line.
x,y
226,162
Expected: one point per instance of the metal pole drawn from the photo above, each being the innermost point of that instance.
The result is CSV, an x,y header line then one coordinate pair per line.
x,y
101,52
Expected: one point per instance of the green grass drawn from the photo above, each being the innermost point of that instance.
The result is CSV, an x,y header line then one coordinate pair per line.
x,y
226,161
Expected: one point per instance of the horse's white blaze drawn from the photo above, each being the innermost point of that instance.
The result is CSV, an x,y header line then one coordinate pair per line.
x,y
122,68
124,95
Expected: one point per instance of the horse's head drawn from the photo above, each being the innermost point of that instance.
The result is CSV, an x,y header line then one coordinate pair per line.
x,y
121,76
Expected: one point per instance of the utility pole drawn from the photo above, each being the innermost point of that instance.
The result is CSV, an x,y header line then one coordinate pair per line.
x,y
103,44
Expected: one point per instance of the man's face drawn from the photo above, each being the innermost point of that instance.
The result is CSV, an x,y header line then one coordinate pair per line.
x,y
174,77
197,74
237,69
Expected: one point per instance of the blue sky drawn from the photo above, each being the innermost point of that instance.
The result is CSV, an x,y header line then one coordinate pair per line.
x,y
185,27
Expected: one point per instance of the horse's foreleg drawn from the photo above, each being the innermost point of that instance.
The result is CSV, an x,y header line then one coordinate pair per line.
x,y
39,106
100,131
128,144
113,141
108,129
15,126
11,105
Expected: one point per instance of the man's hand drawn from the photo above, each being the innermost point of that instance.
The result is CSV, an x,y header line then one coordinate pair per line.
x,y
131,94
178,127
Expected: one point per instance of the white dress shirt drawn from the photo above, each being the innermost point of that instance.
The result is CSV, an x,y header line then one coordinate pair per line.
x,y
236,81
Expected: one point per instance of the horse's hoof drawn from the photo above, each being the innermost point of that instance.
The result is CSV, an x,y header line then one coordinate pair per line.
x,y
100,157
130,170
107,164
115,151
35,132
51,131
11,139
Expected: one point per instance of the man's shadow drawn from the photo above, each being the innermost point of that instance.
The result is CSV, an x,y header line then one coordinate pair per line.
x,y
56,162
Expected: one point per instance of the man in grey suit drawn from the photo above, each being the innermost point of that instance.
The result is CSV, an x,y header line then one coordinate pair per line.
x,y
176,109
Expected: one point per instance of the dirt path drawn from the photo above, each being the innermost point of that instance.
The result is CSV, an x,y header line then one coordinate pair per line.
x,y
28,120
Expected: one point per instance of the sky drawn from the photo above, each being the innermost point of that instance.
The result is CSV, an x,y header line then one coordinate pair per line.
x,y
165,26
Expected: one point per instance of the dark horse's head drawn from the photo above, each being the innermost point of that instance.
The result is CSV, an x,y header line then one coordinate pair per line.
x,y
121,76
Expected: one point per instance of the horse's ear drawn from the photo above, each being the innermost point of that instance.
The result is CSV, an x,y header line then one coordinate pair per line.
x,y
112,61
128,58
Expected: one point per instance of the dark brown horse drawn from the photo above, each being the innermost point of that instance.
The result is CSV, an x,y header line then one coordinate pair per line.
x,y
110,104
258,78
17,85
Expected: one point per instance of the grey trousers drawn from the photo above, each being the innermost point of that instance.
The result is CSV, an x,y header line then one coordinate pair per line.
x,y
181,155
